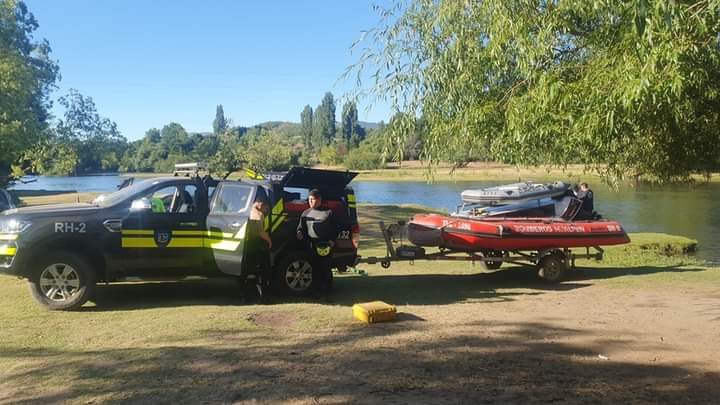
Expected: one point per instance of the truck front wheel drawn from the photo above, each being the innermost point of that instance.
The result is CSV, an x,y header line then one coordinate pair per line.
x,y
62,281
294,274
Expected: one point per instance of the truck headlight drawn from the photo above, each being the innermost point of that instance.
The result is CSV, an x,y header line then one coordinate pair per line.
x,y
14,226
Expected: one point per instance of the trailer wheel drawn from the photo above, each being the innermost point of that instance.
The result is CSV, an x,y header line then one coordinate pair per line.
x,y
385,264
552,267
492,265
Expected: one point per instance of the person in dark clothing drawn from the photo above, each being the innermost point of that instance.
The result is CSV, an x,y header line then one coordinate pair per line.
x,y
257,251
585,195
318,229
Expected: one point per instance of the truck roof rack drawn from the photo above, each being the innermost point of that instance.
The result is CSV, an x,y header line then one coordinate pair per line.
x,y
191,169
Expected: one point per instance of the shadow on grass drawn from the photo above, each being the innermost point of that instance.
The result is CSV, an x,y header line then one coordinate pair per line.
x,y
404,289
140,295
482,363
441,289
600,273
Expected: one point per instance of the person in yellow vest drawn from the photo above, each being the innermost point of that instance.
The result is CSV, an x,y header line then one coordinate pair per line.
x,y
157,205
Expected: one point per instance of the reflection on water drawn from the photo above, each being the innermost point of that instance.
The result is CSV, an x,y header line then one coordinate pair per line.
x,y
93,183
677,209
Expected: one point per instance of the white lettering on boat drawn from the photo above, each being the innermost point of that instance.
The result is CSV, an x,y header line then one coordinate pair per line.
x,y
559,228
455,224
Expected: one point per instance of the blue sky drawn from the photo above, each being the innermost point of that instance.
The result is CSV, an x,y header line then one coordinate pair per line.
x,y
148,63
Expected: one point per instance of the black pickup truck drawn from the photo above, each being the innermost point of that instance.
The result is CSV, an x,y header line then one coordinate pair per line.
x,y
170,227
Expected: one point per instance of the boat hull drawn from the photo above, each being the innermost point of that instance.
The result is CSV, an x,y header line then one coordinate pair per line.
x,y
473,235
515,192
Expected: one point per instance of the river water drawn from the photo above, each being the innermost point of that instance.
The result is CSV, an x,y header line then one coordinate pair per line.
x,y
675,209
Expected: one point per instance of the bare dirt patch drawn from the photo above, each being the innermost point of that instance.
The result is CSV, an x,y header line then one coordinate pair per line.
x,y
273,320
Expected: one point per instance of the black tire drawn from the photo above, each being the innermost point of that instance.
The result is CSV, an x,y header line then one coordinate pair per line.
x,y
292,274
493,253
552,267
62,281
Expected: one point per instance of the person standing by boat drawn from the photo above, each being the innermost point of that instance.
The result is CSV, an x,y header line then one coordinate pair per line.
x,y
318,229
585,195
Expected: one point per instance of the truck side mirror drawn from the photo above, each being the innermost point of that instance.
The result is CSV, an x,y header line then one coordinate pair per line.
x,y
142,204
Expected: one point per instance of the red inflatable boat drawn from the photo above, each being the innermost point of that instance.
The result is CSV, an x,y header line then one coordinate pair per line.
x,y
511,234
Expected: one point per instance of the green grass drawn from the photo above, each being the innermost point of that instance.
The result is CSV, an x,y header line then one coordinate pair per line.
x,y
147,341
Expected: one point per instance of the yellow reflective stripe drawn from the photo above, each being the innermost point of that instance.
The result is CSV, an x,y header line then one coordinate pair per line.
x,y
217,234
280,219
229,245
278,214
137,232
278,208
241,233
186,243
9,236
207,239
7,251
254,175
144,232
224,244
266,223
138,243
189,233
351,198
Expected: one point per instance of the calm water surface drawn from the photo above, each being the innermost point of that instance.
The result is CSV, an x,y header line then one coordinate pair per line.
x,y
680,210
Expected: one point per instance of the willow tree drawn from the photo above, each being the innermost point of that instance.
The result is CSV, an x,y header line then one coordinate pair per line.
x,y
626,88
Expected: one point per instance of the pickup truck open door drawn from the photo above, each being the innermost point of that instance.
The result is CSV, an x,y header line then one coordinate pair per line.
x,y
227,225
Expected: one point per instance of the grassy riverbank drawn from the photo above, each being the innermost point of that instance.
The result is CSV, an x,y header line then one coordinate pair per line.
x,y
193,341
476,171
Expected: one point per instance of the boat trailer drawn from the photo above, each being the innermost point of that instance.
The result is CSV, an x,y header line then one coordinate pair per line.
x,y
551,262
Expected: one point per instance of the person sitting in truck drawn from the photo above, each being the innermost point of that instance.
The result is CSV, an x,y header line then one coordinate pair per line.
x,y
318,229
157,205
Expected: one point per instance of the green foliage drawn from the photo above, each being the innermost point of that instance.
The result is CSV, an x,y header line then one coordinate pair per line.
x,y
160,150
324,122
81,142
626,88
174,139
352,132
52,158
306,124
267,151
227,158
219,123
329,155
363,158
27,75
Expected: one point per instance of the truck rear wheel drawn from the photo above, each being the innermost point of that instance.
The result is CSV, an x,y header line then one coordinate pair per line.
x,y
293,275
62,281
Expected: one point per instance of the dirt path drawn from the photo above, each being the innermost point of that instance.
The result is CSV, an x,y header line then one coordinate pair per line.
x,y
586,343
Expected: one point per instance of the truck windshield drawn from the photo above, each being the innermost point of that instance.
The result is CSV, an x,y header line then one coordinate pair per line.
x,y
107,200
